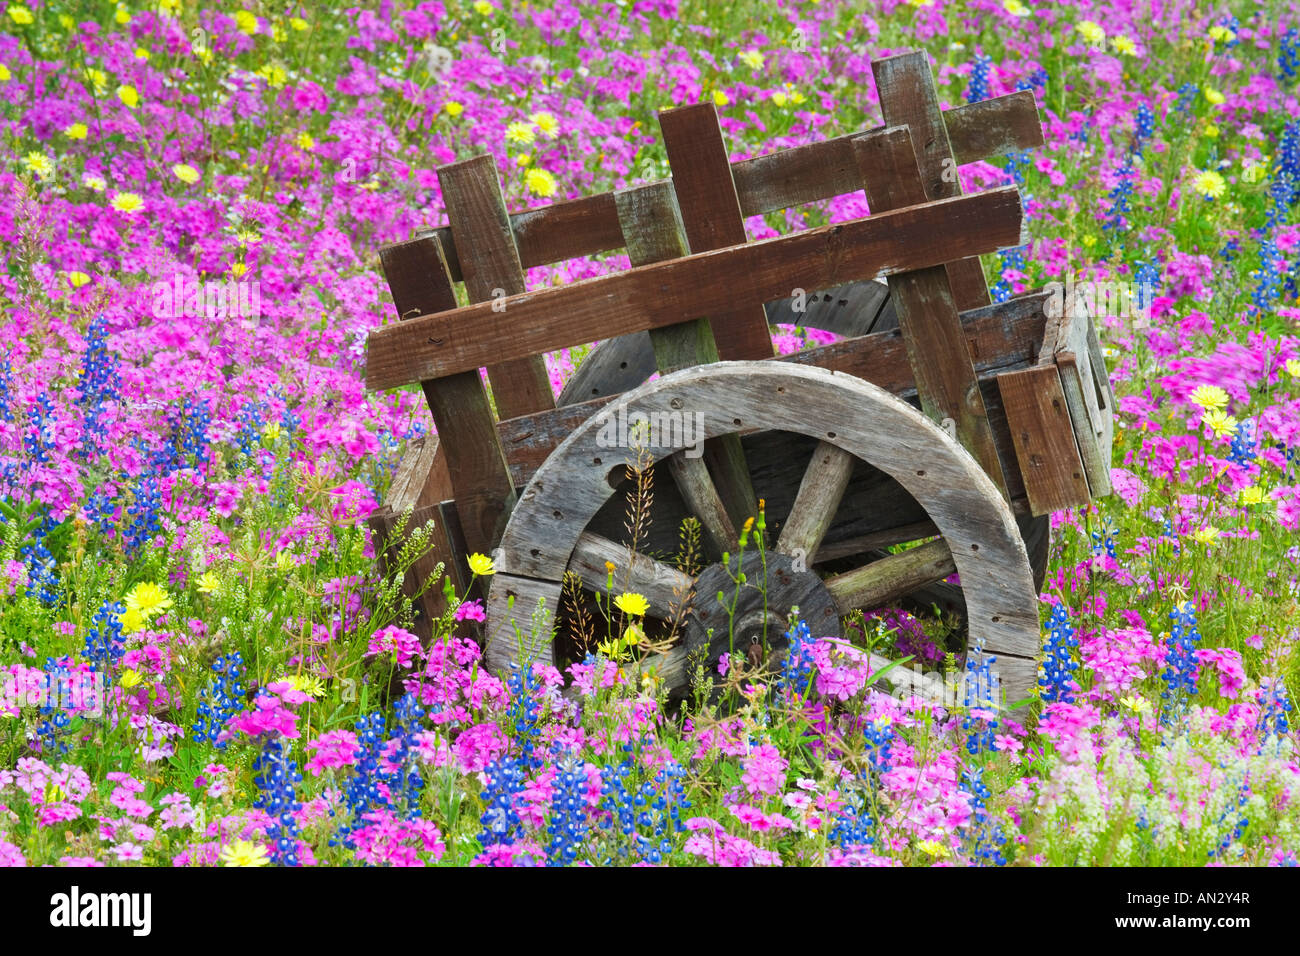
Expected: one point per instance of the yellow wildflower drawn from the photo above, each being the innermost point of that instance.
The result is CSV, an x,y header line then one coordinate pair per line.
x,y
132,678
1221,34
521,133
1209,396
76,131
481,564
297,23
129,97
271,433
305,141
40,164
1213,96
1124,45
274,75
149,599
128,203
546,122
312,686
122,15
1016,8
97,79
522,160
244,853
1251,495
186,173
141,53
453,108
779,98
720,98
209,583
1139,705
97,183
1092,32
482,8
1206,535
238,269
933,848
284,560
77,279
169,6
632,635
1209,184
20,14
1293,368
5,75
629,602
752,59
246,21
540,182
1219,422
131,620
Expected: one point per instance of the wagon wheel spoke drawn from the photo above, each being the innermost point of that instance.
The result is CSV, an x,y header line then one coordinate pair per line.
x,y
891,577
820,493
662,585
862,544
692,478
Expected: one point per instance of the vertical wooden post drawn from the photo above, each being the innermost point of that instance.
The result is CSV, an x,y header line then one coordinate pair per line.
x,y
489,261
468,440
710,212
927,312
908,98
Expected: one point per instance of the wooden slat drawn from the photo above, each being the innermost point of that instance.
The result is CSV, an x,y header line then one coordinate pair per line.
x,y
662,585
1039,421
701,284
468,441
927,312
1000,337
512,604
891,577
490,261
820,493
710,210
908,98
654,231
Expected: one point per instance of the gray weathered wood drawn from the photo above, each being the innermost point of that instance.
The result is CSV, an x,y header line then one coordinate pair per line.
x,y
1040,426
710,282
820,493
513,635
927,310
661,584
486,249
891,577
691,475
908,98
978,526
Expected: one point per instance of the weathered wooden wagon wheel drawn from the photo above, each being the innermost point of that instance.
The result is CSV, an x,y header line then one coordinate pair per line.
x,y
550,531
856,308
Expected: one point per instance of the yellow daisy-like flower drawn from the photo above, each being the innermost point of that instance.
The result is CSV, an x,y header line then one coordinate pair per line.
x,y
1124,45
1211,131
1092,32
40,164
481,565
141,53
1219,422
522,160
77,279
779,98
629,602
186,173
1016,8
131,620
1209,184
129,97
1251,495
131,678
246,21
752,59
76,131
1213,96
128,203
933,848
238,269
1139,705
149,599
5,75
278,33
244,853
305,141
632,635
284,560
1209,396
97,183
297,23
540,182
453,108
209,583
520,133
97,79
274,75
720,98
169,6
122,15
20,14
482,8
1293,367
305,684
546,122
1206,535
1221,34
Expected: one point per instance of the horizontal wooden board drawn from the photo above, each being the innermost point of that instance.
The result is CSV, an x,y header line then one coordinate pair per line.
x,y
665,293
789,177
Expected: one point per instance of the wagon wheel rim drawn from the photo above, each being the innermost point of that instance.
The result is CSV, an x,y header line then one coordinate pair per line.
x,y
975,522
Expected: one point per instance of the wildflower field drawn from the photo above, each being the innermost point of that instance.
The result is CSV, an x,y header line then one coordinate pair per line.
x,y
203,664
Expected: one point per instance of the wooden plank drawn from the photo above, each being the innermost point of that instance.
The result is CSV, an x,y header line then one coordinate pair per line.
x,y
891,577
662,585
588,226
908,98
1040,426
705,283
710,211
468,440
1000,337
980,529
519,627
941,363
654,231
691,475
490,262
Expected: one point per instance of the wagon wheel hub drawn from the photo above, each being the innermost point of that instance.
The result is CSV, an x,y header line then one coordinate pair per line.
x,y
772,589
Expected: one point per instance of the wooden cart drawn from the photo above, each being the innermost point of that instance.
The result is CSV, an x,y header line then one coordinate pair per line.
x,y
941,413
